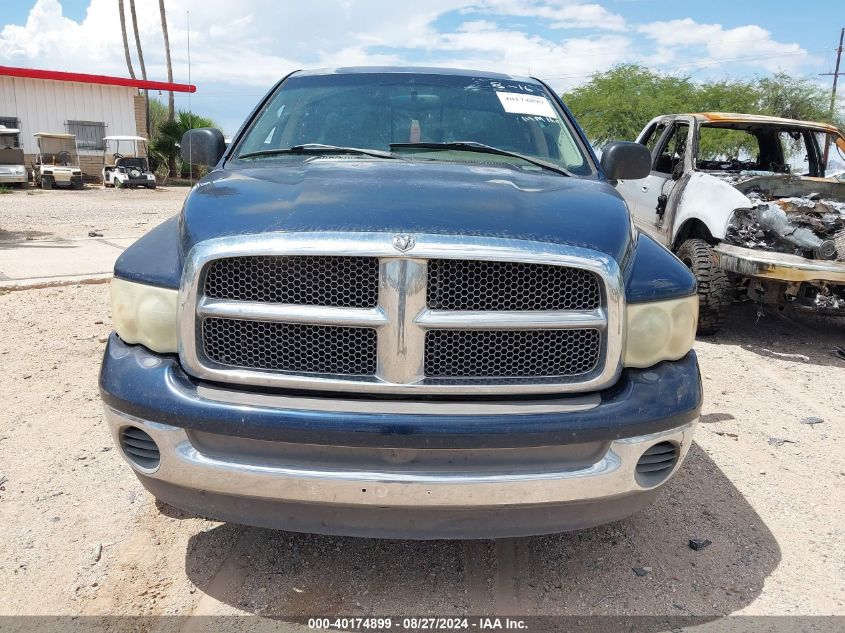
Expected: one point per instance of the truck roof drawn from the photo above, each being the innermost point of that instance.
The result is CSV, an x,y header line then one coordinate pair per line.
x,y
422,70
733,117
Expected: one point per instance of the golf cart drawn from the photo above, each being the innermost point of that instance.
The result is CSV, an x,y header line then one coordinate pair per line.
x,y
125,162
12,166
57,163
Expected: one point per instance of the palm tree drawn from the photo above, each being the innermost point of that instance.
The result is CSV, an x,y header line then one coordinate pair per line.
x,y
125,39
141,61
165,145
171,110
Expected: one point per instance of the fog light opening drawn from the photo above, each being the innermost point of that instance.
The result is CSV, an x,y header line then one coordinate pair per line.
x,y
656,463
140,448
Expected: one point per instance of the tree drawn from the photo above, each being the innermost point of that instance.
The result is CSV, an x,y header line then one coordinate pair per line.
x,y
166,142
171,164
170,102
140,60
125,38
157,116
616,104
793,98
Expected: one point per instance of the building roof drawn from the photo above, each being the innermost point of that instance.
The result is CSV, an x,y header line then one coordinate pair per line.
x,y
106,80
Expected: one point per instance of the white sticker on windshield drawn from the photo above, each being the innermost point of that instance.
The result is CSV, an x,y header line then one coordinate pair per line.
x,y
518,103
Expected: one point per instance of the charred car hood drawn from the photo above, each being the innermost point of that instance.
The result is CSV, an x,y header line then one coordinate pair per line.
x,y
350,194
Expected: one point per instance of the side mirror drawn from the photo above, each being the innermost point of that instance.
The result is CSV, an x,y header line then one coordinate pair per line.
x,y
625,160
202,146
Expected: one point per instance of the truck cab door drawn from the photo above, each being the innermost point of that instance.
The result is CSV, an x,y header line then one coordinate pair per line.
x,y
635,191
669,163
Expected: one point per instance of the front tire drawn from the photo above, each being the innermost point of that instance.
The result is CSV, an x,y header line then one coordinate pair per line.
x,y
714,289
46,182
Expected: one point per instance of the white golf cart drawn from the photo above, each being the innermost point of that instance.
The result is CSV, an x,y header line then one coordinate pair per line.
x,y
57,162
12,166
126,163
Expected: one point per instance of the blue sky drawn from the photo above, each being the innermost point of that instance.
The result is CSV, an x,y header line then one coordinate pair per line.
x,y
238,49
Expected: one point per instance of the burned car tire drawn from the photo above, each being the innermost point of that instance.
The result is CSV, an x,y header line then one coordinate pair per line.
x,y
714,288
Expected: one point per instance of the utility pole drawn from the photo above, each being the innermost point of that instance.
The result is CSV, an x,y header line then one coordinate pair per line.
x,y
835,74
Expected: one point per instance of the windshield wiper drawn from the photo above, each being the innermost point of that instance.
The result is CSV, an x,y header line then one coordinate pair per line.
x,y
318,148
473,146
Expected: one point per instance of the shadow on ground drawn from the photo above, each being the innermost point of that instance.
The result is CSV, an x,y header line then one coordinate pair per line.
x,y
13,238
285,575
790,336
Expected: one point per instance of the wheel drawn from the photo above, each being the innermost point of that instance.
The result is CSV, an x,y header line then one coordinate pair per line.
x,y
46,182
152,186
714,289
78,184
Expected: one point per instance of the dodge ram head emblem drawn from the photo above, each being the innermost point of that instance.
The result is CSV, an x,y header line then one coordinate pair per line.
x,y
403,242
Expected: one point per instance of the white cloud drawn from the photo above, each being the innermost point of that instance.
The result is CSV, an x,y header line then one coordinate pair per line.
x,y
482,45
254,42
678,39
561,14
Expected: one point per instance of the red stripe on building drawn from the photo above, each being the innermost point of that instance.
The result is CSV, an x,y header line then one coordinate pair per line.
x,y
57,75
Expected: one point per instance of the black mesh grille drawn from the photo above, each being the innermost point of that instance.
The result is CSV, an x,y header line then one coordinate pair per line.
x,y
504,354
349,282
311,349
481,285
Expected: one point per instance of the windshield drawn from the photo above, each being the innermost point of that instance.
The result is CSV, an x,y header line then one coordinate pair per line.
x,y
374,110
770,148
57,150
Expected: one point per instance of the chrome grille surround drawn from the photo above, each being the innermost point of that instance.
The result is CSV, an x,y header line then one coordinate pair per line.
x,y
401,318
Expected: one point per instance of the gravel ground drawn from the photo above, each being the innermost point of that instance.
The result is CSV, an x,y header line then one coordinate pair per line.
x,y
61,214
81,536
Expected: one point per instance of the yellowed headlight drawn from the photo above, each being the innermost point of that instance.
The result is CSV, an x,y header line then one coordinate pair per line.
x,y
144,314
661,330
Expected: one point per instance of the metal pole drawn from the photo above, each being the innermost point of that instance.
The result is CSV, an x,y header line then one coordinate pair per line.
x,y
833,97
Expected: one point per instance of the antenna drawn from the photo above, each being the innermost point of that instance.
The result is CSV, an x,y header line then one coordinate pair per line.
x,y
190,112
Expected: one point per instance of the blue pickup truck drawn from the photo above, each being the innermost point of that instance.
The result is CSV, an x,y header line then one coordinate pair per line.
x,y
404,303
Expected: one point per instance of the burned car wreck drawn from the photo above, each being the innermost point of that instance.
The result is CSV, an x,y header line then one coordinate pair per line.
x,y
809,225
751,204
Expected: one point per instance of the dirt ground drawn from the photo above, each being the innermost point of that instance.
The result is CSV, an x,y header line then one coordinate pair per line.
x,y
57,214
81,536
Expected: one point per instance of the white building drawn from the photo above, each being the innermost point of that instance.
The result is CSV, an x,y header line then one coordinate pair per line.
x,y
89,106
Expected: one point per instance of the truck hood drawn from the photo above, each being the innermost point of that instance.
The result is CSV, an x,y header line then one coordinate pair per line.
x,y
351,194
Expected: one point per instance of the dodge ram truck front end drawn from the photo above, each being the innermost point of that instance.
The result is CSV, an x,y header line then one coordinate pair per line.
x,y
392,338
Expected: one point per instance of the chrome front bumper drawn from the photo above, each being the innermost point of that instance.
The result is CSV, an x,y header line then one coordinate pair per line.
x,y
611,476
